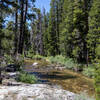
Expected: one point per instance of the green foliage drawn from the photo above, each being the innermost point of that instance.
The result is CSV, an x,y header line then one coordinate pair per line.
x,y
7,38
83,96
97,80
30,54
12,60
27,78
9,59
37,57
93,37
55,19
67,62
66,28
94,42
89,71
98,50
19,61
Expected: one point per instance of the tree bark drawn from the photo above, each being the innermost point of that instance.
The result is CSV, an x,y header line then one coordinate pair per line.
x,y
16,31
25,17
0,77
21,38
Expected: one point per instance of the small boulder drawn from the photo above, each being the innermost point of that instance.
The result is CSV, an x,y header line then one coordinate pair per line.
x,y
34,64
11,68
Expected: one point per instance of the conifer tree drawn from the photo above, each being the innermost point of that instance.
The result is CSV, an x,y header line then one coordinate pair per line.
x,y
45,31
52,36
94,41
66,28
94,29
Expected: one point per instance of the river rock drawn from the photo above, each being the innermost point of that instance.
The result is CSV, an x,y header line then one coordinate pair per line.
x,y
11,68
34,92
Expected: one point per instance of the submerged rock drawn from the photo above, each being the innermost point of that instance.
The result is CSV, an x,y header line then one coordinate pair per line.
x,y
34,92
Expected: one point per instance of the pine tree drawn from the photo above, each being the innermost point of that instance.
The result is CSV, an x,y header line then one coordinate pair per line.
x,y
67,28
94,41
16,30
7,41
52,36
24,15
39,33
94,29
81,10
4,10
45,31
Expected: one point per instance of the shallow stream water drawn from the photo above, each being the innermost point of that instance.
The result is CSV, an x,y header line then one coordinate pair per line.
x,y
67,79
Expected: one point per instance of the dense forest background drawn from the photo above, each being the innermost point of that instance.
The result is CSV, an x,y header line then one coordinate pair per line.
x,y
71,29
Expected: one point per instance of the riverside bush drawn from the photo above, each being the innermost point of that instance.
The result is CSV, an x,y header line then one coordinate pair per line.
x,y
67,62
17,61
70,63
89,71
97,80
26,78
9,59
37,57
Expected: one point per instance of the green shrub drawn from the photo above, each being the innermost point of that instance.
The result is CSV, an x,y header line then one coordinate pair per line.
x,y
26,78
57,59
67,62
32,56
19,61
9,59
83,96
89,71
97,80
29,55
38,57
70,64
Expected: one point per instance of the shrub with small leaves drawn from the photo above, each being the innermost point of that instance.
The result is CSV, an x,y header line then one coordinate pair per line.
x,y
27,78
97,80
9,59
89,71
67,62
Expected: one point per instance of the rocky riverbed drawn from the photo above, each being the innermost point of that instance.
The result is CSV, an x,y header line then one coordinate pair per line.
x,y
34,92
13,90
53,84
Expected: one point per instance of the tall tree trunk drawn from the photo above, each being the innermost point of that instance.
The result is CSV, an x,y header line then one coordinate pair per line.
x,y
16,30
41,38
57,28
21,38
25,15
